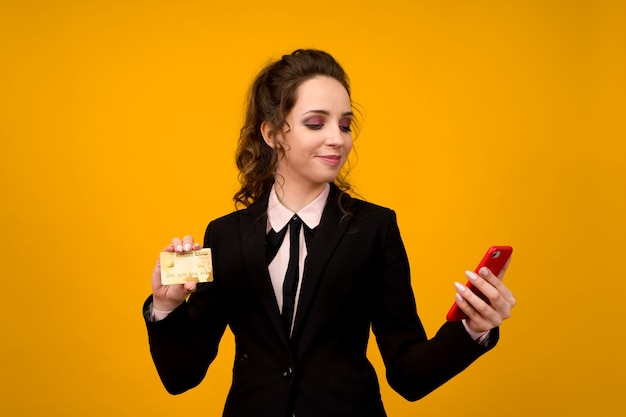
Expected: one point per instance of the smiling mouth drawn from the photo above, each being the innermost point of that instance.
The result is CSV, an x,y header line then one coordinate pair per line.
x,y
331,159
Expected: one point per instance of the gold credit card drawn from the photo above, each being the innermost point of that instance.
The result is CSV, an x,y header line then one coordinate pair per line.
x,y
178,268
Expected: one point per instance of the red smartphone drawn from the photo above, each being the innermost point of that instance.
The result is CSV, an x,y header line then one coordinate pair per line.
x,y
496,258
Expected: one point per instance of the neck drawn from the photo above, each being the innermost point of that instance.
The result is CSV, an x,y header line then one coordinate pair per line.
x,y
295,198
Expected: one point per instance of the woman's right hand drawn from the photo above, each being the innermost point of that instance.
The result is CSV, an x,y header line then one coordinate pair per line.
x,y
168,297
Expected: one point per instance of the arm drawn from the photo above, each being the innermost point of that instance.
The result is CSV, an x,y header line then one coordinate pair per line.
x,y
415,365
184,343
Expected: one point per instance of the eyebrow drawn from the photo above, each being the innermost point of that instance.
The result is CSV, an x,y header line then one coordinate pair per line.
x,y
327,113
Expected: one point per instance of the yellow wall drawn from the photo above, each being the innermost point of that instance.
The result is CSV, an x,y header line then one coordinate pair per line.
x,y
486,122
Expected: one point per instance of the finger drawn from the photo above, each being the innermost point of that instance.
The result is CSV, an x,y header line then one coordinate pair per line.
x,y
187,243
485,312
190,287
504,303
170,248
471,301
484,283
156,274
475,320
488,276
481,304
177,244
496,282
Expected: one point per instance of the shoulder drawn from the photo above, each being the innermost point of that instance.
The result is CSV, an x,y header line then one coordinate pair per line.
x,y
358,217
362,209
235,217
228,218
251,216
367,206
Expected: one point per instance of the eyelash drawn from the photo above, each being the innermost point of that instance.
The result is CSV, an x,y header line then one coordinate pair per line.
x,y
318,126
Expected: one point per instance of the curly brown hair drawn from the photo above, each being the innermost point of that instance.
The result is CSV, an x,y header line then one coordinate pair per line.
x,y
270,98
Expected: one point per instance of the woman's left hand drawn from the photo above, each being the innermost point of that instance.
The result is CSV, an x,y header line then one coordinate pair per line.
x,y
484,316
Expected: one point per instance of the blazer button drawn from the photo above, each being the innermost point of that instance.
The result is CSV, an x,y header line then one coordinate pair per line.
x,y
288,373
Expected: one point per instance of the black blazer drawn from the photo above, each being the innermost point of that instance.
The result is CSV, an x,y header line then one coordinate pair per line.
x,y
356,275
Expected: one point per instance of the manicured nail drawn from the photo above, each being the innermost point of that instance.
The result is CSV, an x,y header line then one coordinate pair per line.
x,y
471,275
484,271
187,246
179,248
458,297
459,287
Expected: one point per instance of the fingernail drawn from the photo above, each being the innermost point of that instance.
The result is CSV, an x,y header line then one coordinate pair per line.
x,y
471,275
179,248
459,287
458,298
187,246
484,271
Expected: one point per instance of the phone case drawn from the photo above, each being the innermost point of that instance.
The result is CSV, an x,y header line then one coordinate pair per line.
x,y
495,259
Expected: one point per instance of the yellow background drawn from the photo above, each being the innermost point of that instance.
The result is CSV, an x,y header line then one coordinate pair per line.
x,y
486,122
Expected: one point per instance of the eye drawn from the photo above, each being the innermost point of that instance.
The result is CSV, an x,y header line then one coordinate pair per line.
x,y
315,123
345,125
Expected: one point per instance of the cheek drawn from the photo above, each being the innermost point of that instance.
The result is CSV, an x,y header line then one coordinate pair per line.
x,y
348,144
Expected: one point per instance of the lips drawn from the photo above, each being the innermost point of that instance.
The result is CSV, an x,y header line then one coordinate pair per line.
x,y
331,159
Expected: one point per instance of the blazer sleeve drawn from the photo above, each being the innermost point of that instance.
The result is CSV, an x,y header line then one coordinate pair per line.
x,y
415,365
185,343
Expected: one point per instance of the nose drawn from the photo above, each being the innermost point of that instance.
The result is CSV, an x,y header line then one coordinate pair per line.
x,y
336,137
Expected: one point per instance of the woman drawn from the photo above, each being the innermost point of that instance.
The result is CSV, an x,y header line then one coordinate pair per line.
x,y
301,309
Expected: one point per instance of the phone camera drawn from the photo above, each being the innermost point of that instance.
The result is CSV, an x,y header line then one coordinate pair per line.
x,y
496,254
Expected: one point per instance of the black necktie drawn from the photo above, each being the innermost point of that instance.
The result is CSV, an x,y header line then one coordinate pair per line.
x,y
290,285
273,240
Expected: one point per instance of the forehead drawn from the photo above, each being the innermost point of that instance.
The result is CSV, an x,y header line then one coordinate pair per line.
x,y
322,93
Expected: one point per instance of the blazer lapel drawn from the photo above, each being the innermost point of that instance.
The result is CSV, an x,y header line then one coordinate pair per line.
x,y
253,230
328,235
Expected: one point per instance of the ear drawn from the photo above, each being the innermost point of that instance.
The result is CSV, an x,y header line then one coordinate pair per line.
x,y
267,132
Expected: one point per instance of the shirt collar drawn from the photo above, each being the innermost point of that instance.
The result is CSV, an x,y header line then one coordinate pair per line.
x,y
278,215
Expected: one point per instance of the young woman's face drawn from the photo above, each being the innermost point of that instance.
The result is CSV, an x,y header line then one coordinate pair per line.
x,y
317,138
